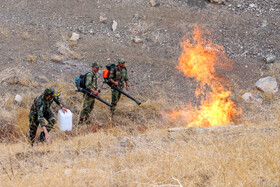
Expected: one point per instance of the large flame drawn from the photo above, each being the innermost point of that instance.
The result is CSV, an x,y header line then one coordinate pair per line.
x,y
199,60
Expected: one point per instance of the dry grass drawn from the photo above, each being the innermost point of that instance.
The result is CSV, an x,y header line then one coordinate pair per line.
x,y
64,50
136,149
45,57
57,58
240,156
19,76
25,35
31,58
4,32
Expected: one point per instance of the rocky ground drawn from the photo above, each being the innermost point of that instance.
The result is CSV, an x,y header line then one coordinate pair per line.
x,y
35,40
141,146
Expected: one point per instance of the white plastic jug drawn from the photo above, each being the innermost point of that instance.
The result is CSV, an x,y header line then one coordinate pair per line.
x,y
65,120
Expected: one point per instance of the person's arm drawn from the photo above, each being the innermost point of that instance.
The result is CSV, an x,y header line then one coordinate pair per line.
x,y
126,85
112,76
58,102
126,80
47,135
90,84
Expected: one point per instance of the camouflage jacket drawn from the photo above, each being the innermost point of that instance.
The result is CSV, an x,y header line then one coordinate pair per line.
x,y
91,81
40,106
118,75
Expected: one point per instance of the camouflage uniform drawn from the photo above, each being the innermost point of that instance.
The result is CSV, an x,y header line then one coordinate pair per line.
x,y
91,83
40,110
119,76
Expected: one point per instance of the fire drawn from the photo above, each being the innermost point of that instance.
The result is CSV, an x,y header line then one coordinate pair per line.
x,y
199,60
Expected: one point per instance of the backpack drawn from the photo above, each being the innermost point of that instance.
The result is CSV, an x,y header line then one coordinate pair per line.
x,y
81,81
106,72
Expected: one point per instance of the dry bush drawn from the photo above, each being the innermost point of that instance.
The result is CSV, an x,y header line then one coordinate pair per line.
x,y
25,35
64,50
8,131
57,58
31,58
4,32
72,43
22,122
45,58
19,76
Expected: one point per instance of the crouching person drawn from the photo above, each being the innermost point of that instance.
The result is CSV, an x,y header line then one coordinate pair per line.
x,y
40,110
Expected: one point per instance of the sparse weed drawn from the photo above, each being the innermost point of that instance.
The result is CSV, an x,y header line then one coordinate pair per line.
x,y
5,32
57,58
65,51
31,58
25,35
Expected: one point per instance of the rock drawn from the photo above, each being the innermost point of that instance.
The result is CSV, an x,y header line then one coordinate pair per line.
x,y
117,35
18,98
217,1
114,25
102,19
252,5
154,3
91,31
137,17
270,58
75,36
264,23
267,84
82,30
137,40
252,98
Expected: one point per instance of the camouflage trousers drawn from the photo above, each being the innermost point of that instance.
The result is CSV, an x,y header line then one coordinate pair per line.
x,y
116,95
87,108
33,124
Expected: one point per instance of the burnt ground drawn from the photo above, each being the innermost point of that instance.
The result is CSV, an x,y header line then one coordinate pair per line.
x,y
248,31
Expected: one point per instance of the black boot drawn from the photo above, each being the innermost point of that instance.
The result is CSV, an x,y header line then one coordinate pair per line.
x,y
42,137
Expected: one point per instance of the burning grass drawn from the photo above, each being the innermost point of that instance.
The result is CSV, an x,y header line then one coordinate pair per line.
x,y
199,60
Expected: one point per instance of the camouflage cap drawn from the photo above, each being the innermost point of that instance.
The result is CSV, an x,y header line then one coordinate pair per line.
x,y
51,91
95,65
121,60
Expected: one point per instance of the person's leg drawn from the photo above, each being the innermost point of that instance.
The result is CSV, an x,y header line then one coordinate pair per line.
x,y
115,98
33,125
87,108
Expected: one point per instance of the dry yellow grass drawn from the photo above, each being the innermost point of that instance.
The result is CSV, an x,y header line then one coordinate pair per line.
x,y
25,35
31,58
229,156
57,58
136,149
4,32
64,50
17,75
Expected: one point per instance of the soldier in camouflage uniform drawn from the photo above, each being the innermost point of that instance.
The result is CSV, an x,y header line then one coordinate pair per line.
x,y
91,85
40,110
117,77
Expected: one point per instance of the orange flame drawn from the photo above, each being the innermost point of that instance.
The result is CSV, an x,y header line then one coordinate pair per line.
x,y
199,60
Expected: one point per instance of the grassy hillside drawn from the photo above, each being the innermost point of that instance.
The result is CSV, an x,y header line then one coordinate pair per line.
x,y
246,155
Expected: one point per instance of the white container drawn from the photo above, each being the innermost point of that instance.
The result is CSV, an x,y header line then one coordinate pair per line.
x,y
65,120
